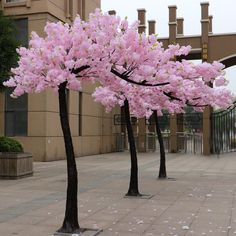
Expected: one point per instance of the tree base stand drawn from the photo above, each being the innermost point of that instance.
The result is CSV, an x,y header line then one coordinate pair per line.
x,y
140,196
84,232
167,178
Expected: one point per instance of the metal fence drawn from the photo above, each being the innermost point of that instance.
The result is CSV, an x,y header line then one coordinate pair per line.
x,y
223,130
190,142
186,142
120,142
152,143
166,141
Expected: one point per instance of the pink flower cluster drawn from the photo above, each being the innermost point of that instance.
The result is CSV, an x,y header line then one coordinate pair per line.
x,y
128,65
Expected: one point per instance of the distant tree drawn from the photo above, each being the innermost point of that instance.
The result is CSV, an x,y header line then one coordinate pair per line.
x,y
8,45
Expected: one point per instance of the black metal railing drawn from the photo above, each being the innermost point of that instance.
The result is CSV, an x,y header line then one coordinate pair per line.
x,y
190,142
223,130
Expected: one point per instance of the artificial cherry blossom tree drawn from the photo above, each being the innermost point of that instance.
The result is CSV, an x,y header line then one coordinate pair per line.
x,y
59,61
152,80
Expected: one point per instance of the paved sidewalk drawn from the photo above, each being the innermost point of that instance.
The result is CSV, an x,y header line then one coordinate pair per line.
x,y
201,201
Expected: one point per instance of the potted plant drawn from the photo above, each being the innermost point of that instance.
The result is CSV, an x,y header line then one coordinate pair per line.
x,y
14,162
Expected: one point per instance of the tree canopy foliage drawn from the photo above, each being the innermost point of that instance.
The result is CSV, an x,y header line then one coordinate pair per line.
x,y
8,45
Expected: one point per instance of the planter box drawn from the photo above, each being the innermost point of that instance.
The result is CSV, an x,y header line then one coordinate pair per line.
x,y
15,165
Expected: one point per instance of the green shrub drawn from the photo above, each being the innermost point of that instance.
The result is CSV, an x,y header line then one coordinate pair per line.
x,y
10,145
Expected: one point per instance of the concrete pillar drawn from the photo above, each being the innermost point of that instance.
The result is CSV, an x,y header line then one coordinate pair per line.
x,y
172,40
142,128
151,30
173,134
180,26
207,112
142,20
204,21
151,27
172,24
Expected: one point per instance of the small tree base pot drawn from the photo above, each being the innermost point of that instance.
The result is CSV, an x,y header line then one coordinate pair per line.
x,y
167,178
15,165
84,232
140,196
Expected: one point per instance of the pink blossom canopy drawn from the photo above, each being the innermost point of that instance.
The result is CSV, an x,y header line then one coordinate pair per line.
x,y
128,65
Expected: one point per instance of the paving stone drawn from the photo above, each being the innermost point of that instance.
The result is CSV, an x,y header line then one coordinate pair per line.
x,y
201,201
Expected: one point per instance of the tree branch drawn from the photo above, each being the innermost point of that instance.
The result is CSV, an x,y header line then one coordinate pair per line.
x,y
124,77
78,70
172,97
196,105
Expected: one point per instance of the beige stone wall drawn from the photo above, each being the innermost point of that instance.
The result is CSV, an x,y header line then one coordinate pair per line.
x,y
90,5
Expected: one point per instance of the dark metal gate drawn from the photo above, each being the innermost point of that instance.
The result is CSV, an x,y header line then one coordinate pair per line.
x,y
223,130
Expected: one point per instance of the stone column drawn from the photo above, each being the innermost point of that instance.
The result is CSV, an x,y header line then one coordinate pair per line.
x,y
172,40
142,20
151,30
207,111
180,26
142,128
172,24
151,27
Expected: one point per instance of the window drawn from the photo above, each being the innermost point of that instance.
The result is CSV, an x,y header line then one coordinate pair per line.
x,y
80,112
22,31
16,115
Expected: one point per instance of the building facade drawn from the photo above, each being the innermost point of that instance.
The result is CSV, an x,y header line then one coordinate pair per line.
x,y
33,119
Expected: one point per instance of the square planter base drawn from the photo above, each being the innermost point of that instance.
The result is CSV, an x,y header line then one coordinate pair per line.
x,y
169,178
15,165
85,232
142,196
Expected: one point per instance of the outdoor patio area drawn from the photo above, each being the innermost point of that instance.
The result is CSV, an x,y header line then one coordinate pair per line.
x,y
200,200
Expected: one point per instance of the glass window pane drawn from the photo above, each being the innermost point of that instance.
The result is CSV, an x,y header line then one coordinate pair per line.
x,y
20,123
9,123
19,103
22,31
16,115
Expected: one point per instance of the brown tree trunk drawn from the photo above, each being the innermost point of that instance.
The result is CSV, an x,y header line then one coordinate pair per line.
x,y
70,223
133,185
162,169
